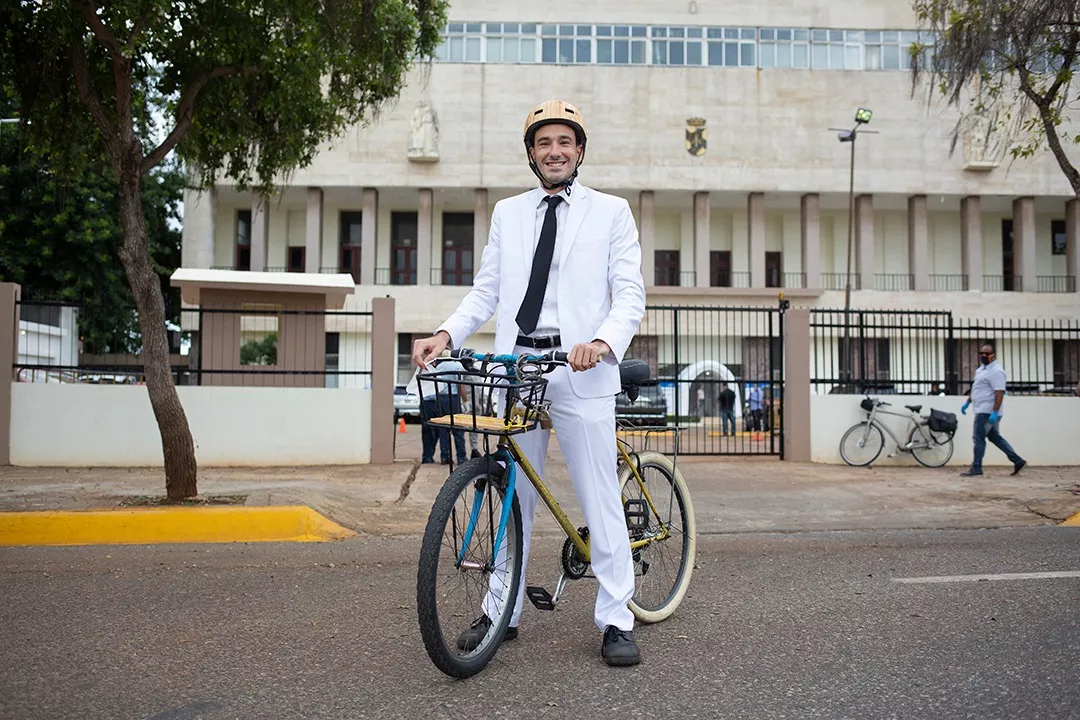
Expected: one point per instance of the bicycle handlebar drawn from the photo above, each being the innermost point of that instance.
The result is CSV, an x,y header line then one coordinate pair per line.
x,y
560,358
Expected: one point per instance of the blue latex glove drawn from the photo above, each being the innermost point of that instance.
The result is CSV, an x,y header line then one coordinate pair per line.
x,y
994,417
963,410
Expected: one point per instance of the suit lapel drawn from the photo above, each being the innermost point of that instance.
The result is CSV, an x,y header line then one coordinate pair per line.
x,y
574,218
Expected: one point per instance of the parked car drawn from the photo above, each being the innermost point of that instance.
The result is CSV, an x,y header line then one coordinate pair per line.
x,y
405,405
650,408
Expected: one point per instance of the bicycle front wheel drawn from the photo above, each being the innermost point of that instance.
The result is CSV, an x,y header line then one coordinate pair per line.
x,y
862,444
461,574
932,449
662,567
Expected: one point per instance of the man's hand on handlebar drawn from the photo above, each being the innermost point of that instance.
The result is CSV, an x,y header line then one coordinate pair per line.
x,y
585,356
427,349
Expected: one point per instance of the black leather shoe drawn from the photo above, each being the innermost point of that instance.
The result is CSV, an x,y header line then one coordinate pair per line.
x,y
971,473
1019,466
471,638
619,647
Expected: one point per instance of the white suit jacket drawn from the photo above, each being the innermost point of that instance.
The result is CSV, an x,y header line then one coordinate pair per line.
x,y
601,295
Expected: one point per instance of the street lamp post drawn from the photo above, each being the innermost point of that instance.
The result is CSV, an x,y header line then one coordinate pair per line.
x,y
862,117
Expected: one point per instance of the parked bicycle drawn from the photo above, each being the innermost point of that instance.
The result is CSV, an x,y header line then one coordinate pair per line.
x,y
930,438
473,543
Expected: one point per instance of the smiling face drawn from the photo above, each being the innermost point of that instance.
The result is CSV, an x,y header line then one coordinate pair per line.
x,y
556,152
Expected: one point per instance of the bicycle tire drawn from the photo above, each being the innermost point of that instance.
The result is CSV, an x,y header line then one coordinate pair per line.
x,y
869,439
935,436
447,511
674,487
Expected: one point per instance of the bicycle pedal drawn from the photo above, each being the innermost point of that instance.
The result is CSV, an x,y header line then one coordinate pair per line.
x,y
637,514
540,597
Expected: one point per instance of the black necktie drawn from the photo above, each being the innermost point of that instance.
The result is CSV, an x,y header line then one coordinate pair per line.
x,y
529,312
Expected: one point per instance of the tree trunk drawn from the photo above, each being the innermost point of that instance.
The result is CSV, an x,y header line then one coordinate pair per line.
x,y
176,442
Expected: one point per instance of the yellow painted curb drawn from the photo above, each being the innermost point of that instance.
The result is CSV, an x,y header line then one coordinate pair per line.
x,y
1074,521
139,526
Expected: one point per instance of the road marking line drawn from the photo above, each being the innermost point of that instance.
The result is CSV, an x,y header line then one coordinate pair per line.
x,y
984,578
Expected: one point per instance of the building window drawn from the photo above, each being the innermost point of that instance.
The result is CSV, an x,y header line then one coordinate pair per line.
x,y
1066,365
784,48
242,257
731,47
667,267
403,244
296,259
510,42
615,44
1058,240
457,251
773,264
333,350
351,234
720,268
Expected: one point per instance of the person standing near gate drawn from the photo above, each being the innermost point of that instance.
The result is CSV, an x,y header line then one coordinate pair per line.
x,y
562,271
727,408
987,395
755,400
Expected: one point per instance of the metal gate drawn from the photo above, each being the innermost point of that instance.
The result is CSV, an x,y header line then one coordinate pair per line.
x,y
698,353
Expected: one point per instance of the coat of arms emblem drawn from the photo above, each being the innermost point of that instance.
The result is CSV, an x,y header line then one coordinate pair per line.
x,y
696,136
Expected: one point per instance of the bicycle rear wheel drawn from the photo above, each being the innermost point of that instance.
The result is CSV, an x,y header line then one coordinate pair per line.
x,y
932,449
862,444
662,569
461,575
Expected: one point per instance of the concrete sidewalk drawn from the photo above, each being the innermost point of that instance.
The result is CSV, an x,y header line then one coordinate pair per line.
x,y
729,494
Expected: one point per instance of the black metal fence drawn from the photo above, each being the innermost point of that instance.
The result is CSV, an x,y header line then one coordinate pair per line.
x,y
923,352
697,353
245,345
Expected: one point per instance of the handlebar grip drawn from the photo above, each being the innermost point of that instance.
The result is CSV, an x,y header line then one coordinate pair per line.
x,y
461,353
560,356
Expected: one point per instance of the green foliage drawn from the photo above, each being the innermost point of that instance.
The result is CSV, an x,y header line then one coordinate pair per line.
x,y
59,236
1009,64
259,352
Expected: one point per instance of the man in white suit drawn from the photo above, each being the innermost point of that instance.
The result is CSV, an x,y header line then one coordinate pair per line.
x,y
562,271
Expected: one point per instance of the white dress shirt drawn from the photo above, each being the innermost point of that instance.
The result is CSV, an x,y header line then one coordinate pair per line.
x,y
548,323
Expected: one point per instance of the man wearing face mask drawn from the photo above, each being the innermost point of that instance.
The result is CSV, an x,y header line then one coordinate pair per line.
x,y
987,394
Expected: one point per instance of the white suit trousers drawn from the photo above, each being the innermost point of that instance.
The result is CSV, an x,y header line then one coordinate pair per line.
x,y
585,428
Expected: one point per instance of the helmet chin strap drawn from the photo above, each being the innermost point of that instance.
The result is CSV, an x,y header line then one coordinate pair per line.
x,y
551,186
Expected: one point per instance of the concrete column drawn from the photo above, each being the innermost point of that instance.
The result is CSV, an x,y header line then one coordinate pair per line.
x,y
797,385
702,239
314,241
864,241
197,236
918,243
810,234
971,241
260,227
481,227
755,230
647,235
1072,242
9,352
1024,243
424,236
369,224
383,378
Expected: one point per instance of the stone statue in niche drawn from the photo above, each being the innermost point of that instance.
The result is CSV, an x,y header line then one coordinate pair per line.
x,y
424,135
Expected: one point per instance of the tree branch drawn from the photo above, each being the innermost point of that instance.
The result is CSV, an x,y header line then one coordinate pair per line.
x,y
104,35
1066,66
89,95
185,111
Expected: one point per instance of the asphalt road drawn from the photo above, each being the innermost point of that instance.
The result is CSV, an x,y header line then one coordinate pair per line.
x,y
801,625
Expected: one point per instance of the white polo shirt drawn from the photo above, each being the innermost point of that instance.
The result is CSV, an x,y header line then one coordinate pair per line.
x,y
989,379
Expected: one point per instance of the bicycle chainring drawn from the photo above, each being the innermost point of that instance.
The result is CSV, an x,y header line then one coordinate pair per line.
x,y
573,564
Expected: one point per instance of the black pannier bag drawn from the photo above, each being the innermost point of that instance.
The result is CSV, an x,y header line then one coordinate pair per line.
x,y
943,422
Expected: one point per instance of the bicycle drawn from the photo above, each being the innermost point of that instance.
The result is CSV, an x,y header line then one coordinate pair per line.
x,y
473,535
930,439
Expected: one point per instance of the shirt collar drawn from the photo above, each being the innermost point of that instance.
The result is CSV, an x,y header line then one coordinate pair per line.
x,y
539,194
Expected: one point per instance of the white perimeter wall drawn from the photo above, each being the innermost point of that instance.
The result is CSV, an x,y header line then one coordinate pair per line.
x,y
1043,430
64,425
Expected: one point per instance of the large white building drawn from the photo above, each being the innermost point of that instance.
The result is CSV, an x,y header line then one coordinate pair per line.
x,y
404,203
